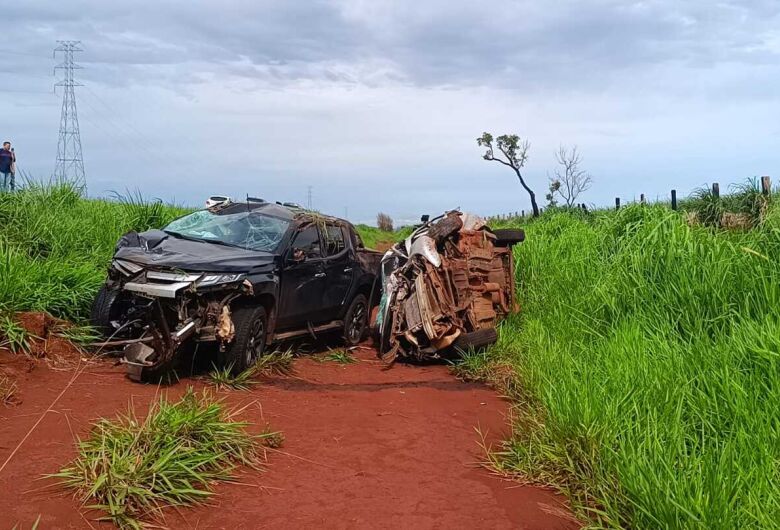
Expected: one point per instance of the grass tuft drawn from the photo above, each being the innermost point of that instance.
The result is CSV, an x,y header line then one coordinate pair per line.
x,y
340,356
272,439
8,390
133,467
81,335
277,362
225,379
13,336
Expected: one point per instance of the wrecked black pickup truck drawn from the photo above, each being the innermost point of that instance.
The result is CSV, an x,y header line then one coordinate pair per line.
x,y
242,275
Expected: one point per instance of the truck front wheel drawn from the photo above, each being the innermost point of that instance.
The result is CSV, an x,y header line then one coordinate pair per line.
x,y
108,308
249,341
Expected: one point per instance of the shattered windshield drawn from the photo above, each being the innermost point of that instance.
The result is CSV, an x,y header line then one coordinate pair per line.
x,y
250,230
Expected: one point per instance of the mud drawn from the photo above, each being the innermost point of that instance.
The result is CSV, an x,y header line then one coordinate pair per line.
x,y
364,448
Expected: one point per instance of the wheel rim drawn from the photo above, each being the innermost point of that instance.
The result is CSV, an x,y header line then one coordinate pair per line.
x,y
256,339
357,323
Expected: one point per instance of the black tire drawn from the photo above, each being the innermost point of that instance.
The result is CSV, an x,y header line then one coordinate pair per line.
x,y
384,336
356,321
509,236
251,324
444,228
476,339
102,310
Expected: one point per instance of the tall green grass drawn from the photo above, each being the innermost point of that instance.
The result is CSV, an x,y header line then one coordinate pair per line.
x,y
373,237
55,245
647,368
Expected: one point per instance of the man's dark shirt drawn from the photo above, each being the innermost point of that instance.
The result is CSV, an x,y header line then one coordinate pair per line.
x,y
6,160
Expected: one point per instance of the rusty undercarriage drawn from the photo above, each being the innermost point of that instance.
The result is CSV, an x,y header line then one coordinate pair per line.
x,y
445,288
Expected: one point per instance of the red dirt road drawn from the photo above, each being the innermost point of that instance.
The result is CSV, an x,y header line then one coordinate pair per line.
x,y
364,448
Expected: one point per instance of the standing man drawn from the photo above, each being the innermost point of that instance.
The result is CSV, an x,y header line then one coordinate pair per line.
x,y
7,166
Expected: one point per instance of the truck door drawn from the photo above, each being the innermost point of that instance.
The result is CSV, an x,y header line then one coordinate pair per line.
x,y
340,268
303,282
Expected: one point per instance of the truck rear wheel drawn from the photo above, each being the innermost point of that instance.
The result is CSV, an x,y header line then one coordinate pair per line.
x,y
249,341
356,321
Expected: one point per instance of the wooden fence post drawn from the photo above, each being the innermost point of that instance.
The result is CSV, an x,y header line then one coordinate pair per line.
x,y
716,189
674,199
617,203
766,185
522,213
642,198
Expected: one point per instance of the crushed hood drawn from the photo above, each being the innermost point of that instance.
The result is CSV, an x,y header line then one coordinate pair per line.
x,y
158,249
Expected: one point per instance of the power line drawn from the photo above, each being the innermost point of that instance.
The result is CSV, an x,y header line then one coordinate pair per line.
x,y
70,161
122,137
14,52
138,138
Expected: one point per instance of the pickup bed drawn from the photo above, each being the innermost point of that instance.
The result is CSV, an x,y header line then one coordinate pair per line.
x,y
242,275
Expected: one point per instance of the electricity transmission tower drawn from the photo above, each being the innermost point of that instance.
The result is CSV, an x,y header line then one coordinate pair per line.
x,y
308,199
70,163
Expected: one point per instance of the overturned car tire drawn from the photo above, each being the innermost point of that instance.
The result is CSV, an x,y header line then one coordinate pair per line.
x,y
475,340
249,342
509,236
445,227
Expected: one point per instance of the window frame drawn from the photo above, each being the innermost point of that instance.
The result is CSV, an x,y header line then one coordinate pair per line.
x,y
344,236
319,237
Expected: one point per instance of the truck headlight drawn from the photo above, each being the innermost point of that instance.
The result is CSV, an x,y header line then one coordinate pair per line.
x,y
216,279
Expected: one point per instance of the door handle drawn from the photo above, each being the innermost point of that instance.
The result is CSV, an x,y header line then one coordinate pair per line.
x,y
348,269
320,275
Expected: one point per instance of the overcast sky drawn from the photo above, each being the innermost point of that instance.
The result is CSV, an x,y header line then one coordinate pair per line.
x,y
376,104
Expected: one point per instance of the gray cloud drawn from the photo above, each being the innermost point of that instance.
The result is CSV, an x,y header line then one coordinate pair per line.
x,y
521,44
388,90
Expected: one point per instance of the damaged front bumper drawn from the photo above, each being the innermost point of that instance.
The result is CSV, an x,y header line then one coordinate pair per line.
x,y
167,308
444,288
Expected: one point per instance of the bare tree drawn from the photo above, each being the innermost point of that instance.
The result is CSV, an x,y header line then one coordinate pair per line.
x,y
570,181
515,155
384,222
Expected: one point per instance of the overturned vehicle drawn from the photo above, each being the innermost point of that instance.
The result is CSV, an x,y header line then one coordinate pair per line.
x,y
445,287
241,275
